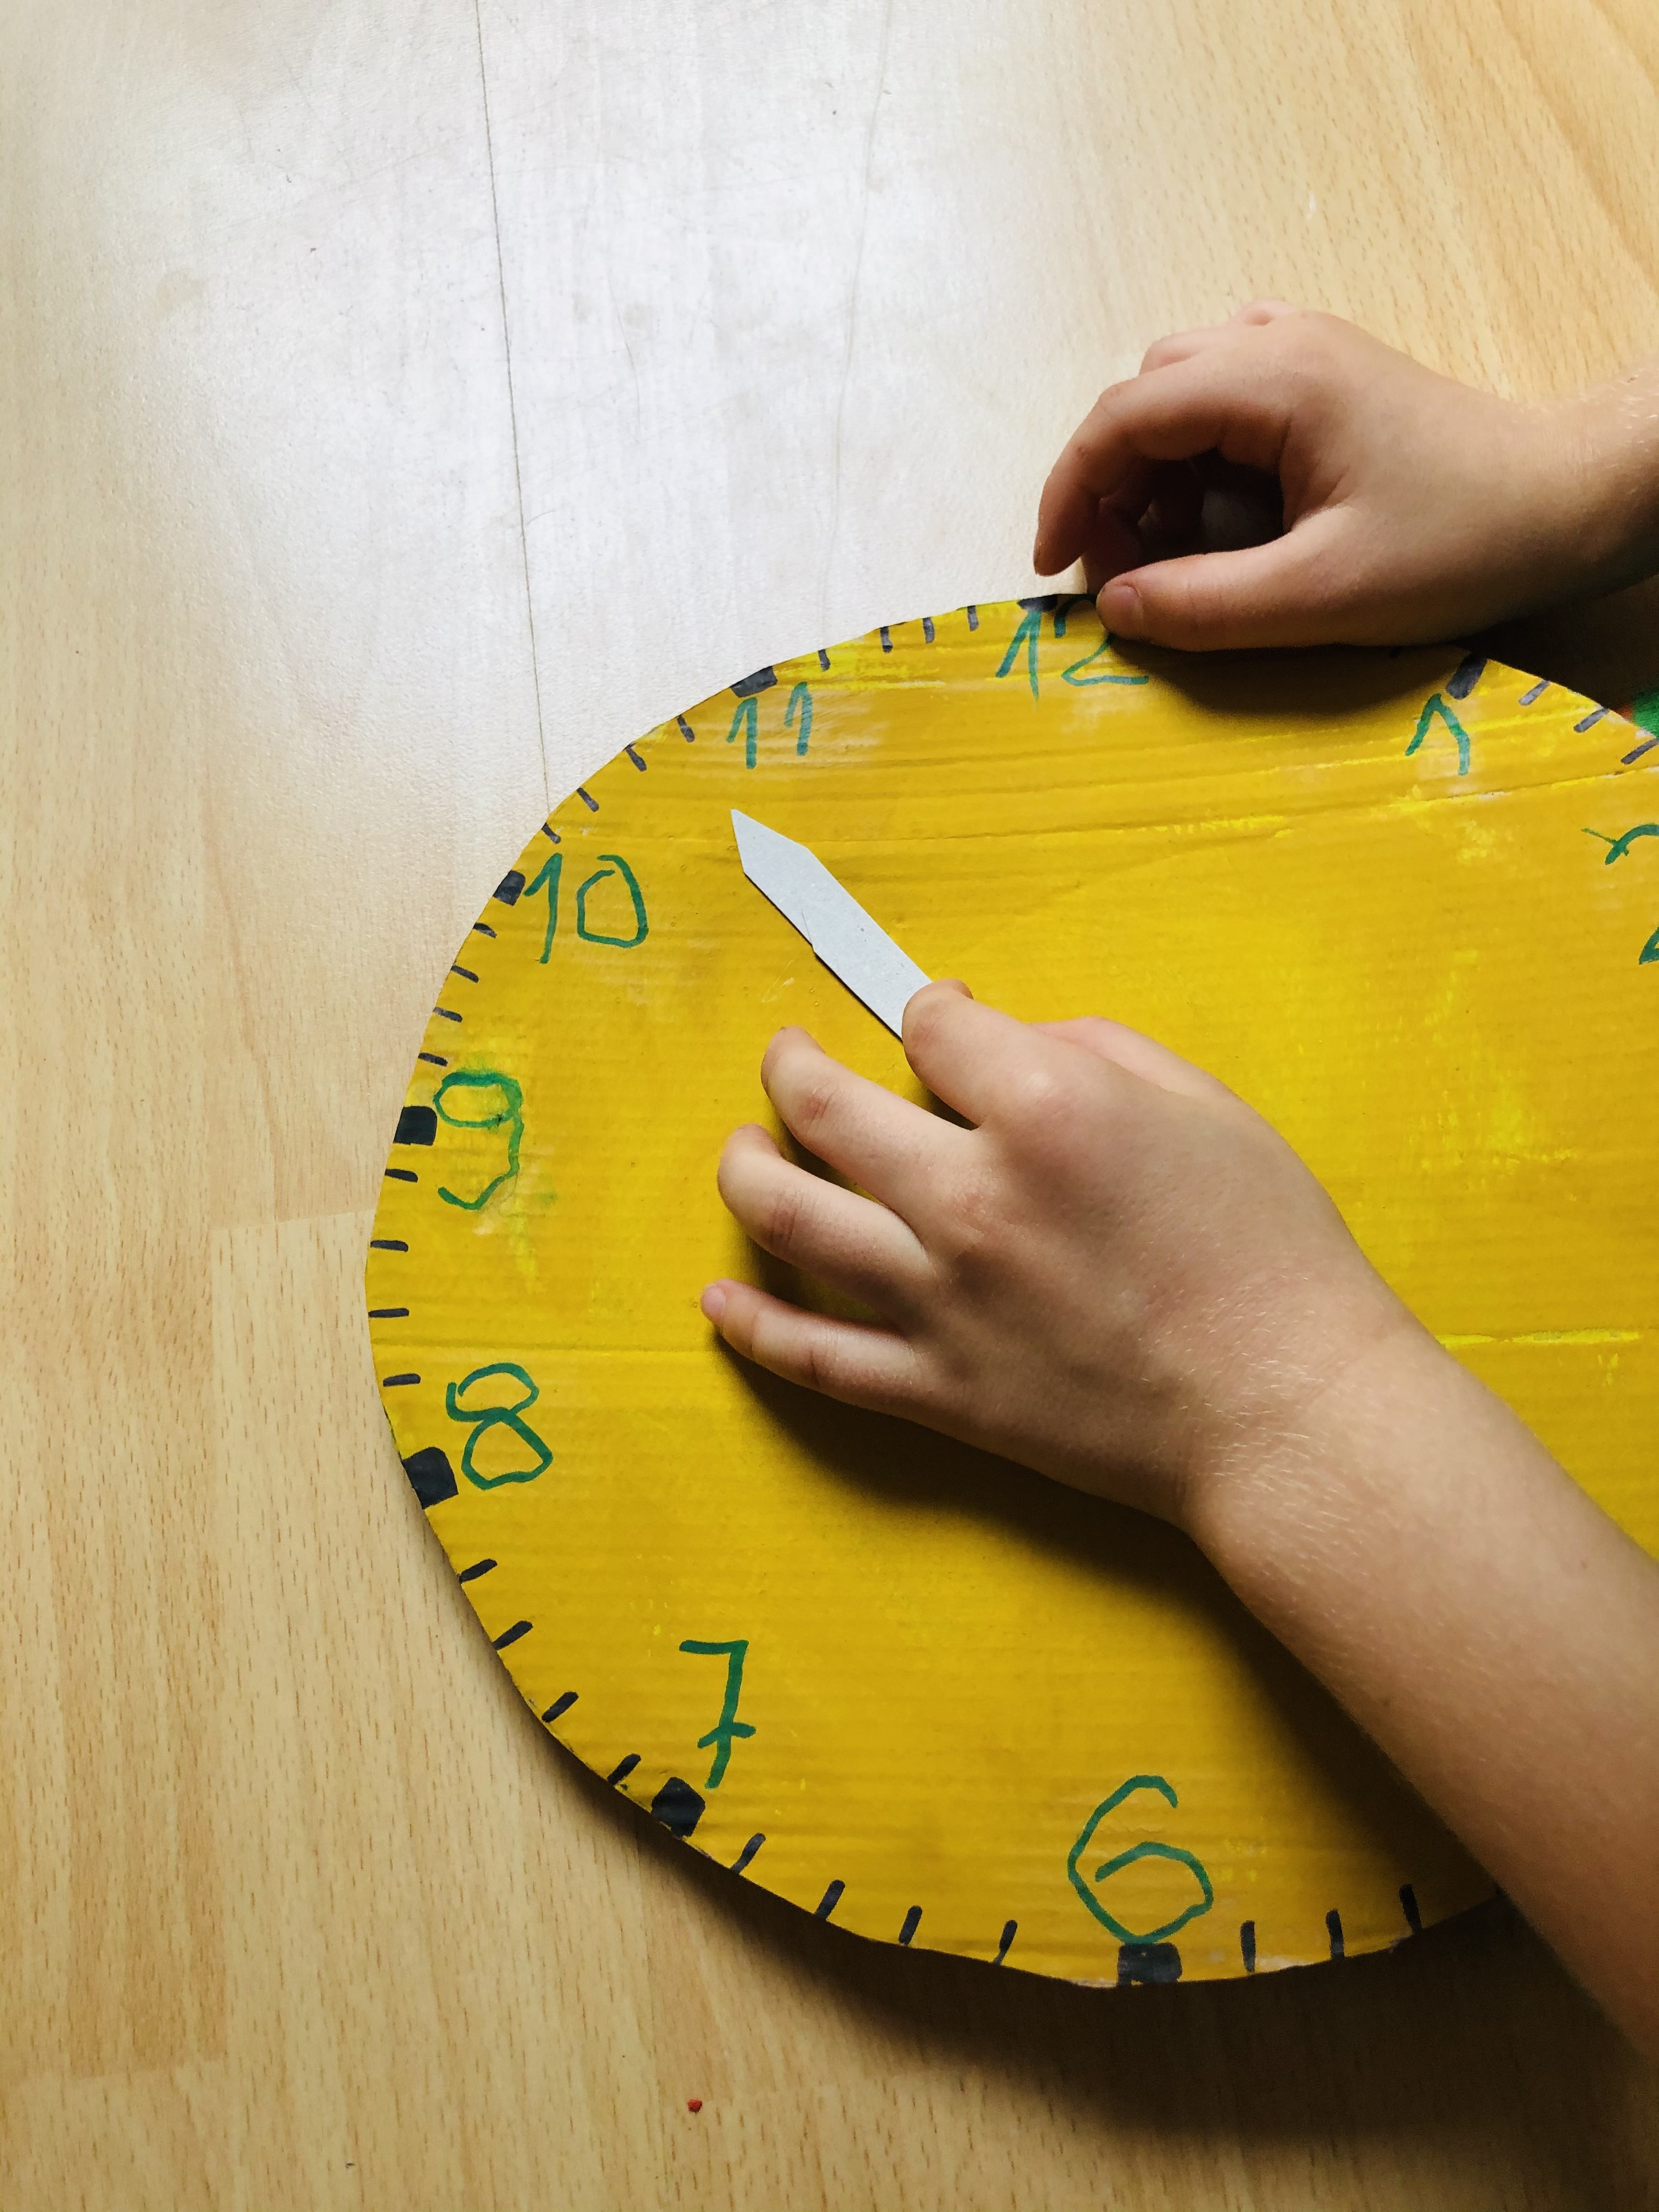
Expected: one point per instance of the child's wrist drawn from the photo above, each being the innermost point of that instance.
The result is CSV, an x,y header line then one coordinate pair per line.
x,y
1259,1512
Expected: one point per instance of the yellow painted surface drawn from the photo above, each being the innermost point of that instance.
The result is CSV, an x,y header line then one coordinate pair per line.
x,y
1420,957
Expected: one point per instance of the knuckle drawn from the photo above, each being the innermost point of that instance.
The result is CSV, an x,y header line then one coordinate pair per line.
x,y
1041,1101
813,1105
1030,1100
781,1218
1054,1102
815,1365
819,1366
769,1338
901,1389
922,1021
910,1395
970,1225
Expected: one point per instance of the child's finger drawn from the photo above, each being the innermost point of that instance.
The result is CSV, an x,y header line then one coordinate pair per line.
x,y
887,1144
1226,399
1285,592
832,1234
1113,544
982,1063
1161,502
1134,495
862,1366
946,1043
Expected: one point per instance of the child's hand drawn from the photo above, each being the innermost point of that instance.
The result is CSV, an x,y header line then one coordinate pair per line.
x,y
1100,1278
1413,508
1120,1275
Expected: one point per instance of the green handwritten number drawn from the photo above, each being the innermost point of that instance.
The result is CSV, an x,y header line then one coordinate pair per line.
x,y
1437,705
617,867
1618,846
1148,1850
1027,634
747,718
800,700
728,1727
797,716
548,880
482,1419
1106,675
1030,635
508,1115
1617,849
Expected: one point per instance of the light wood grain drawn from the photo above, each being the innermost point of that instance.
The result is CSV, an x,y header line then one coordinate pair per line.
x,y
347,346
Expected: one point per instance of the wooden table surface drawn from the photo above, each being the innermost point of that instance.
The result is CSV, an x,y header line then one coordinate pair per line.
x,y
401,407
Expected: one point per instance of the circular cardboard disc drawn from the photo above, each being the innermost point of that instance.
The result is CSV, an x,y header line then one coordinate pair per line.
x,y
922,1693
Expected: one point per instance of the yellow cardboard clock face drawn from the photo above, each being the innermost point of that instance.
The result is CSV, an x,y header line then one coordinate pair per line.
x,y
1407,907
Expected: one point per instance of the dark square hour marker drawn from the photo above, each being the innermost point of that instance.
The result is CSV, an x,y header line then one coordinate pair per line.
x,y
677,1806
430,1475
1147,1962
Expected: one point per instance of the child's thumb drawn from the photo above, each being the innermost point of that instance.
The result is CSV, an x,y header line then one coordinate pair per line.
x,y
1283,592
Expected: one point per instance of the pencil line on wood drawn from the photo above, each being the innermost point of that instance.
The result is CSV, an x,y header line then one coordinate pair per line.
x,y
512,407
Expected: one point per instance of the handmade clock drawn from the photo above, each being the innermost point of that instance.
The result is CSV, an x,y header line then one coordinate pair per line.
x,y
1407,905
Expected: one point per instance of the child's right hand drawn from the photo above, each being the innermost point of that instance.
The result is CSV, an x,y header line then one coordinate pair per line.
x,y
1106,1266
1414,508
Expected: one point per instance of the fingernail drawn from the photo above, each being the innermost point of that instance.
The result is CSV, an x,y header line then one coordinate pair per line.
x,y
1120,609
713,1302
